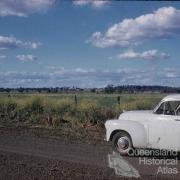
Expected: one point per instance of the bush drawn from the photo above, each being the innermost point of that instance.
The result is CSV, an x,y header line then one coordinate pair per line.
x,y
8,108
89,112
136,105
47,111
36,104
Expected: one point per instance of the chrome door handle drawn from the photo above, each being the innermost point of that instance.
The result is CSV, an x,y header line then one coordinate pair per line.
x,y
177,119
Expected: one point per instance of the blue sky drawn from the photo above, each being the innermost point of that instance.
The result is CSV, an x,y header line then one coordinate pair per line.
x,y
89,43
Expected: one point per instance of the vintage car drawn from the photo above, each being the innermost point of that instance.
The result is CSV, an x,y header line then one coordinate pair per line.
x,y
149,129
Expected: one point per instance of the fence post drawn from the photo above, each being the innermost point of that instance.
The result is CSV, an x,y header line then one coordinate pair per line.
x,y
75,99
119,100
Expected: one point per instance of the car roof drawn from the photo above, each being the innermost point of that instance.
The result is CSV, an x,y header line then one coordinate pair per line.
x,y
172,97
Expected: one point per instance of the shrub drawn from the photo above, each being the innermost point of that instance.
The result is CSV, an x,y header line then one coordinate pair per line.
x,y
136,105
90,112
48,111
36,104
8,108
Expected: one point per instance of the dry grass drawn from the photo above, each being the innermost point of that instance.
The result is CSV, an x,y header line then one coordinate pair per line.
x,y
63,114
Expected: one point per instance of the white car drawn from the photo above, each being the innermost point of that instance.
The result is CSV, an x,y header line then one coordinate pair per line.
x,y
153,129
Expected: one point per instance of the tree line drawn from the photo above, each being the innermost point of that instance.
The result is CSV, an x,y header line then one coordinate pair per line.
x,y
110,89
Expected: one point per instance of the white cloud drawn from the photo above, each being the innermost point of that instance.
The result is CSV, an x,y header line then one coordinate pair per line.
x,y
12,43
146,55
171,73
62,70
55,68
23,7
90,77
162,23
3,56
94,3
26,58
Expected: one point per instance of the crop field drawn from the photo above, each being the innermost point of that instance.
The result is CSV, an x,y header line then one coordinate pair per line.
x,y
79,115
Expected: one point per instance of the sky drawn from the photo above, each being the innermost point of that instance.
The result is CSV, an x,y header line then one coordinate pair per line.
x,y
89,43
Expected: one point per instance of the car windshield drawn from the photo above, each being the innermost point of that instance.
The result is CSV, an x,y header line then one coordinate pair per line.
x,y
169,108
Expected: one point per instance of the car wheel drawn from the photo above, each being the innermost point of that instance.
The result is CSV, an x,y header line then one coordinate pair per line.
x,y
122,143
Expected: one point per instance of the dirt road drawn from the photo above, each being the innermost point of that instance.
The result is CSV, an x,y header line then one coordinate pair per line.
x,y
29,157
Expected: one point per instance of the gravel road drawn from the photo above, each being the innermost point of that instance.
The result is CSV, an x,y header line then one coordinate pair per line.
x,y
23,156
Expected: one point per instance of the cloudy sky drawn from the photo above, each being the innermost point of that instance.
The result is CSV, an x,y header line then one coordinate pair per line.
x,y
88,43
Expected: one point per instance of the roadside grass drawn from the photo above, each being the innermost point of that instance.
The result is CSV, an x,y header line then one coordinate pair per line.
x,y
77,116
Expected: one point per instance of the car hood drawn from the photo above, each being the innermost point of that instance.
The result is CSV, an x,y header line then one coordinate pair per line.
x,y
136,115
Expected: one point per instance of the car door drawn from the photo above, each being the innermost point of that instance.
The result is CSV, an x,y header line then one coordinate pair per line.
x,y
164,129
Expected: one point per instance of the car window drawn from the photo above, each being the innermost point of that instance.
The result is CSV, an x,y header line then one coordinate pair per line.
x,y
169,108
160,110
174,104
178,111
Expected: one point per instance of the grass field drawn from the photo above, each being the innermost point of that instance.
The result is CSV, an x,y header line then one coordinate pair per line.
x,y
78,114
106,100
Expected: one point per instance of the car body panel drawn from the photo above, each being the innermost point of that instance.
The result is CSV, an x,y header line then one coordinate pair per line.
x,y
139,139
148,129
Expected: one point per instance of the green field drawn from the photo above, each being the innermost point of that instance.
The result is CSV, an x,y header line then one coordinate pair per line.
x,y
70,114
106,100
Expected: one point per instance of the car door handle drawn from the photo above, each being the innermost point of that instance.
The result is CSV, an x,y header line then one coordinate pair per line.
x,y
177,119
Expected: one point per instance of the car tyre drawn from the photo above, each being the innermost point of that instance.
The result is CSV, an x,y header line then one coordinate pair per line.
x,y
122,143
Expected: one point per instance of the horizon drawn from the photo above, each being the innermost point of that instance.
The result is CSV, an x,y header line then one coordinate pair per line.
x,y
110,85
89,44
